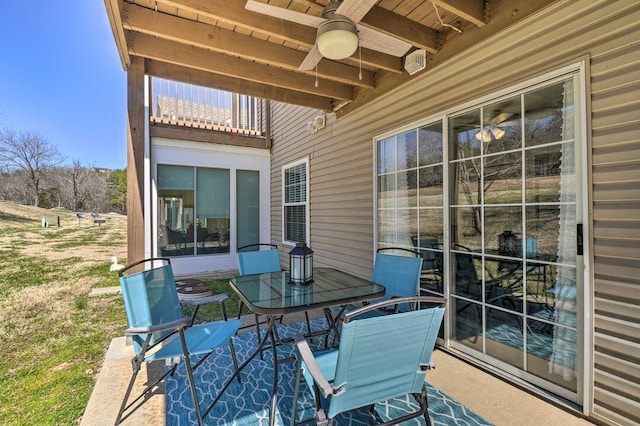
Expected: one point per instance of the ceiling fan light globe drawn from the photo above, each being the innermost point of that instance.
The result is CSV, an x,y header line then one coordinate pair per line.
x,y
483,135
489,134
337,38
497,133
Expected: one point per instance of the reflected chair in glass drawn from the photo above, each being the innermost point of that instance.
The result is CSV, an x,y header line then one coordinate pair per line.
x,y
158,329
378,359
431,274
509,244
496,288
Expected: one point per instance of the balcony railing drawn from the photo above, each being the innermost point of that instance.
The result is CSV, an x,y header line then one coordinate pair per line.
x,y
185,104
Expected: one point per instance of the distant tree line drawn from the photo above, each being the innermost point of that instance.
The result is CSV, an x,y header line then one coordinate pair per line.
x,y
32,173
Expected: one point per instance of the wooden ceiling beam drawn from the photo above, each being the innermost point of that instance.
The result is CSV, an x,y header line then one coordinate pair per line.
x,y
235,85
194,57
469,10
501,18
389,23
403,28
234,13
206,36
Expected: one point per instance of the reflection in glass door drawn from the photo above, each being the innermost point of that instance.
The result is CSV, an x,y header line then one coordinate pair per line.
x,y
410,198
514,208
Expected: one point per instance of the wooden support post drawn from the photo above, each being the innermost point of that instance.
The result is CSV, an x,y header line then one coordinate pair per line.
x,y
135,160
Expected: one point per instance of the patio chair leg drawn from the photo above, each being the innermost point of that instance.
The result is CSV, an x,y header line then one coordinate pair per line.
x,y
240,309
135,363
296,390
234,358
306,315
256,318
192,383
423,397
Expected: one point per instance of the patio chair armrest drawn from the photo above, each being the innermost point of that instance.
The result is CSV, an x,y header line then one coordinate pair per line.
x,y
426,367
180,323
203,300
312,366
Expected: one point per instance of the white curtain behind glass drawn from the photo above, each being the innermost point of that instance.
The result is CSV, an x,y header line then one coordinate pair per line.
x,y
563,357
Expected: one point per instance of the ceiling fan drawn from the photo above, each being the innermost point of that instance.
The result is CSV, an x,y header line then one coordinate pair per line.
x,y
492,130
339,32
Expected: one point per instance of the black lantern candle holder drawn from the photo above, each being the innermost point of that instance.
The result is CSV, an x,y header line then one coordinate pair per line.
x,y
301,265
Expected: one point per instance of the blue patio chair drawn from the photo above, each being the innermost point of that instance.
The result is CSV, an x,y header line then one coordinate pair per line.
x,y
378,359
158,329
399,274
252,260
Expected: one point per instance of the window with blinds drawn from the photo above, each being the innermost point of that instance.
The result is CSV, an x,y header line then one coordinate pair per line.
x,y
295,208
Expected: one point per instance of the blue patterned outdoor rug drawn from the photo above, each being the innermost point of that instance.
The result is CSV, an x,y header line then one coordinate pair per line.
x,y
247,403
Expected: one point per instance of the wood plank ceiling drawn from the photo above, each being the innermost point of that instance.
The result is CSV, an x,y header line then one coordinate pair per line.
x,y
221,44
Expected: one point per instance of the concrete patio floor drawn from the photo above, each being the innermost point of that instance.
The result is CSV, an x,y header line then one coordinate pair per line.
x,y
492,398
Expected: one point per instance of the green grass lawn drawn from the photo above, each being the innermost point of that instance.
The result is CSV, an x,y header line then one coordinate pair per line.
x,y
53,337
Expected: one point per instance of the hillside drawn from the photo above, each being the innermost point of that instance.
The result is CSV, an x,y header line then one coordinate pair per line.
x,y
53,335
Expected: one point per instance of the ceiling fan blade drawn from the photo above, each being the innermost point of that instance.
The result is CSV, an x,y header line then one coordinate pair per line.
x,y
355,9
282,13
500,118
312,58
381,42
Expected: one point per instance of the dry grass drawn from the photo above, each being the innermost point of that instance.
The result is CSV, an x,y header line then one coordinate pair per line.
x,y
53,335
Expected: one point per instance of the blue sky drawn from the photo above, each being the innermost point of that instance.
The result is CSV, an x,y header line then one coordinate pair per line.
x,y
61,76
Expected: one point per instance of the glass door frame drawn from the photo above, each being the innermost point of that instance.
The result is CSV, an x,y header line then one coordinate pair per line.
x,y
584,344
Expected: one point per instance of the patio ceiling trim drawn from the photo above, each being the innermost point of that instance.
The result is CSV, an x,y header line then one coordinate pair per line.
x,y
221,44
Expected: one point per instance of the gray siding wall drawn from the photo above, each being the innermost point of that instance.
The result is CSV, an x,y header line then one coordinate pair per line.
x,y
606,34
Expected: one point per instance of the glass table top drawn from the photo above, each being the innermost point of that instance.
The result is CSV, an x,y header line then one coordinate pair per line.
x,y
272,294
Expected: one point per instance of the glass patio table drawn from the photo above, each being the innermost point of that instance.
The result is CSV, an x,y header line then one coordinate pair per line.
x,y
272,295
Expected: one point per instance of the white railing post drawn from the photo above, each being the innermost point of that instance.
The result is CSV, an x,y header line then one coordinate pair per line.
x,y
204,107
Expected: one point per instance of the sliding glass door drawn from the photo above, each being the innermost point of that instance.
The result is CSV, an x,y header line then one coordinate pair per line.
x,y
514,212
501,240
194,210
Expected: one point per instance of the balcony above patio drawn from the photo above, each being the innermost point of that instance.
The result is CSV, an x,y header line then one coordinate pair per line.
x,y
189,112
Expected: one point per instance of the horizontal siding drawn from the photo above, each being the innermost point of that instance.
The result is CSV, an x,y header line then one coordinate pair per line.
x,y
615,102
342,164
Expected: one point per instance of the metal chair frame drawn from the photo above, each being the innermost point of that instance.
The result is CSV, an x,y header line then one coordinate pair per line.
x,y
323,386
162,334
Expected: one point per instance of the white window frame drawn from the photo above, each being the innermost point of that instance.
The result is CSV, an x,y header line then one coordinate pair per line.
x,y
195,154
286,167
585,321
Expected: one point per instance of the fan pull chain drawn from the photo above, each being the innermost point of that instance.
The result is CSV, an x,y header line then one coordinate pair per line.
x,y
360,61
317,84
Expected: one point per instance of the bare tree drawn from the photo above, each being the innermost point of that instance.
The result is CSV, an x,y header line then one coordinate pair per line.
x,y
31,153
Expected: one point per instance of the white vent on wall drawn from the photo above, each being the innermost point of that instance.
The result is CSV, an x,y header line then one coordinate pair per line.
x,y
415,61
